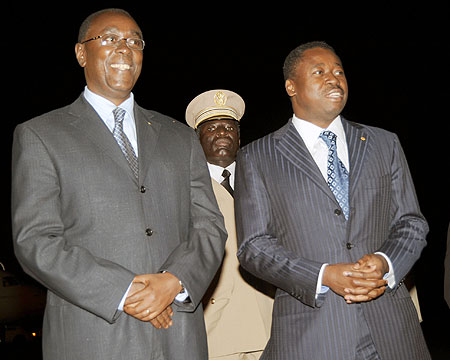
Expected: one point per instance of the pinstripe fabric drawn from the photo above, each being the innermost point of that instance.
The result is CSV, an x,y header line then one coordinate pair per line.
x,y
288,227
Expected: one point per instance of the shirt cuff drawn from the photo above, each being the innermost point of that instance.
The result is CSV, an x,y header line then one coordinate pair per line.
x,y
182,296
320,289
390,277
120,307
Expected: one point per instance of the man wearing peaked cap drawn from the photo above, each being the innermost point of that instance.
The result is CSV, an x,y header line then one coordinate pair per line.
x,y
214,104
237,316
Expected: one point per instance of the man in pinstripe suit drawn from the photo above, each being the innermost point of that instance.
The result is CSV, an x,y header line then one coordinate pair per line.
x,y
339,275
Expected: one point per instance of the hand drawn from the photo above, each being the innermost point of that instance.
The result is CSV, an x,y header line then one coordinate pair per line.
x,y
374,263
353,284
163,320
371,267
150,295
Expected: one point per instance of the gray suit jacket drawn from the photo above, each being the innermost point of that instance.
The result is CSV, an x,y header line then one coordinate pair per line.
x,y
289,224
84,226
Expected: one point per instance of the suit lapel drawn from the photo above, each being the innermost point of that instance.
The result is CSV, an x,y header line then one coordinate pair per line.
x,y
357,143
293,149
148,130
87,121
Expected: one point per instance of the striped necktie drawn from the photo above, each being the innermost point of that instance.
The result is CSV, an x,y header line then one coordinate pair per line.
x,y
122,140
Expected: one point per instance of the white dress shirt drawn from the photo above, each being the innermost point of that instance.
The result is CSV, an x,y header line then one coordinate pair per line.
x,y
104,108
319,151
216,172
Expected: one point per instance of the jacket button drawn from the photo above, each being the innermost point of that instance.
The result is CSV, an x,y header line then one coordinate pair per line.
x,y
337,212
143,189
349,246
213,301
148,232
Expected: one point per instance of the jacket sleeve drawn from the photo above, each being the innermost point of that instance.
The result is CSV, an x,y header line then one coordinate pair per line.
x,y
408,229
259,249
71,272
195,261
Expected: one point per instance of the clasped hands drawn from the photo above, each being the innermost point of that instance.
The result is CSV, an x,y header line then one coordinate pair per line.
x,y
360,281
150,298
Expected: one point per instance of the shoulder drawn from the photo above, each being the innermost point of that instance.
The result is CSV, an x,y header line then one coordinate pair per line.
x,y
169,130
166,122
379,138
266,143
372,130
47,122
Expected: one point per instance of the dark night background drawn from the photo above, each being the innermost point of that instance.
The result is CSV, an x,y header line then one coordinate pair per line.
x,y
397,65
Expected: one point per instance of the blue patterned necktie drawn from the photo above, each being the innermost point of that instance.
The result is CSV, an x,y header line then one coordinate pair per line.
x,y
122,140
337,173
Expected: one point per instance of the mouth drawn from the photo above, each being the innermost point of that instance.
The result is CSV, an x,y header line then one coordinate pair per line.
x,y
121,67
223,144
335,93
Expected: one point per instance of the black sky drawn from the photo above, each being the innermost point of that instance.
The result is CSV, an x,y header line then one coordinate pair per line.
x,y
396,61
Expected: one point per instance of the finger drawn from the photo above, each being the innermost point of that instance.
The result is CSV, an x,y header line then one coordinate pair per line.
x,y
377,292
170,310
165,320
140,312
136,297
356,298
369,283
361,294
355,274
357,291
156,324
368,274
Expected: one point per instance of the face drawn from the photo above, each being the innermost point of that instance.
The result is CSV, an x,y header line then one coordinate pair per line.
x,y
319,90
220,141
110,71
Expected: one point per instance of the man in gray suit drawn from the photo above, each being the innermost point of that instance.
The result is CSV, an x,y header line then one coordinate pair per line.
x,y
113,210
330,256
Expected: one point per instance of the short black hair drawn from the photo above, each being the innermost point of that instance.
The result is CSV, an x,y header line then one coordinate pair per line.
x,y
291,61
86,24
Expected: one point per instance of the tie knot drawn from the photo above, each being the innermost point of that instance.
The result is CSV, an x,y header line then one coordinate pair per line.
x,y
226,173
119,114
329,137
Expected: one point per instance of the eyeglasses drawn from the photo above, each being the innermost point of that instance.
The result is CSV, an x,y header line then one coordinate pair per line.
x,y
114,41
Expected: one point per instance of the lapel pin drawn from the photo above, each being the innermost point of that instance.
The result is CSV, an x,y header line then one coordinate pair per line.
x,y
363,138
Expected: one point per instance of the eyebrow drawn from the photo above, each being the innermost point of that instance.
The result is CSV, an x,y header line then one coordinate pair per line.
x,y
323,64
115,29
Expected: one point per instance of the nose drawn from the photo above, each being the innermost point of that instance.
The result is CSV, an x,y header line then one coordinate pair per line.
x,y
222,131
122,46
332,79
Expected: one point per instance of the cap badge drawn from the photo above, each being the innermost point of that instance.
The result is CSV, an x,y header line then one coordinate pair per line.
x,y
220,98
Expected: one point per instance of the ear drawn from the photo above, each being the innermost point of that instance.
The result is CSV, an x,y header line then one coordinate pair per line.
x,y
290,88
80,54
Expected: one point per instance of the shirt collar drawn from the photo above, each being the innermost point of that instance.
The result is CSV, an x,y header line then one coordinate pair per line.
x,y
104,107
310,132
216,172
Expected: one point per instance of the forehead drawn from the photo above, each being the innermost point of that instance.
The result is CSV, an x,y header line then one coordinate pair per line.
x,y
219,122
114,22
319,56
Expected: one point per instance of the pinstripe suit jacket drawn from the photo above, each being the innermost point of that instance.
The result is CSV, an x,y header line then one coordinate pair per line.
x,y
289,224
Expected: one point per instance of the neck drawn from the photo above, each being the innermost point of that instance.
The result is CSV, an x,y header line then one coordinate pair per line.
x,y
222,163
